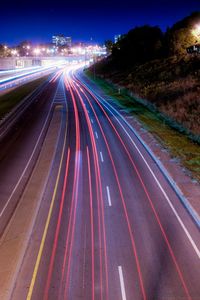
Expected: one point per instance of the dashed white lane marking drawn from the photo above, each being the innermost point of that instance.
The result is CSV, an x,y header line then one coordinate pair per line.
x,y
107,105
96,135
121,279
92,121
101,155
108,195
196,249
84,257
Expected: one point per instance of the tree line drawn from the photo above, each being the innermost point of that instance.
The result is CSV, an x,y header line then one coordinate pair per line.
x,y
145,43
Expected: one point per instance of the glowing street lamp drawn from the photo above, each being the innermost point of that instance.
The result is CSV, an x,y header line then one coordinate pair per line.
x,y
196,32
14,52
36,51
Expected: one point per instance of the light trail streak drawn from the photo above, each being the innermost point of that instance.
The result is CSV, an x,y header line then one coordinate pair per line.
x,y
98,203
72,218
99,185
40,252
123,203
181,277
91,219
6,80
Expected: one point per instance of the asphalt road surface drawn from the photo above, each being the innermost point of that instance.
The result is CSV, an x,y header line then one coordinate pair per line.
x,y
109,226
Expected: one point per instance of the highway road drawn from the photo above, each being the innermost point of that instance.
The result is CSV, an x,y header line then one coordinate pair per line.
x,y
19,149
12,78
108,225
12,72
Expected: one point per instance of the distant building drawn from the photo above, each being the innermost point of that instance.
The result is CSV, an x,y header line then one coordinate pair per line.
x,y
61,40
68,41
117,37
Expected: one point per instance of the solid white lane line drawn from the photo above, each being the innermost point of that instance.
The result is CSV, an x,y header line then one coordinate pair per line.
x,y
121,279
96,135
28,163
108,195
193,244
101,155
162,190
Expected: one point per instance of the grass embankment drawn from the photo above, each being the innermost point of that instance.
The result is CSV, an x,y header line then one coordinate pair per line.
x,y
179,144
9,100
171,84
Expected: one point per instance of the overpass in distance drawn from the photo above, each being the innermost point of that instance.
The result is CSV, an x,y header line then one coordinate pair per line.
x,y
10,63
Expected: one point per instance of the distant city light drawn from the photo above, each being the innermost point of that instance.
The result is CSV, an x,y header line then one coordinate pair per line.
x,y
37,51
87,51
196,31
14,52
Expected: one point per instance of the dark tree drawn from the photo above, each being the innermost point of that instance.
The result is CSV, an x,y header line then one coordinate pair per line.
x,y
181,35
140,45
109,46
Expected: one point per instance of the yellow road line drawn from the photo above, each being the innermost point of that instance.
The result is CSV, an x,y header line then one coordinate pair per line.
x,y
39,256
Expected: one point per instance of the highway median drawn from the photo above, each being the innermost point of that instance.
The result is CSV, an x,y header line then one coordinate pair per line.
x,y
12,98
16,236
14,104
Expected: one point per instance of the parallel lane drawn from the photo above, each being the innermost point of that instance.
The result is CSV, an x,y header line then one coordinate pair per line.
x,y
111,233
156,194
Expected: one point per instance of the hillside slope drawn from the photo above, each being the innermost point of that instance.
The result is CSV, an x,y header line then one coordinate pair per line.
x,y
172,84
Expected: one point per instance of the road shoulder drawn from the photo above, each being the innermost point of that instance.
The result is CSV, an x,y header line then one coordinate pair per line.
x,y
15,239
179,177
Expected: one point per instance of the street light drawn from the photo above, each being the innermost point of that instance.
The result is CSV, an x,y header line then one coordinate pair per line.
x,y
196,32
14,52
36,51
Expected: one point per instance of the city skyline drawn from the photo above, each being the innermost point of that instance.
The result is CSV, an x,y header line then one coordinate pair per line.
x,y
86,22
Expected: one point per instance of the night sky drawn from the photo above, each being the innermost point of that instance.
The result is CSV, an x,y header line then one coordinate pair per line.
x,y
36,20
